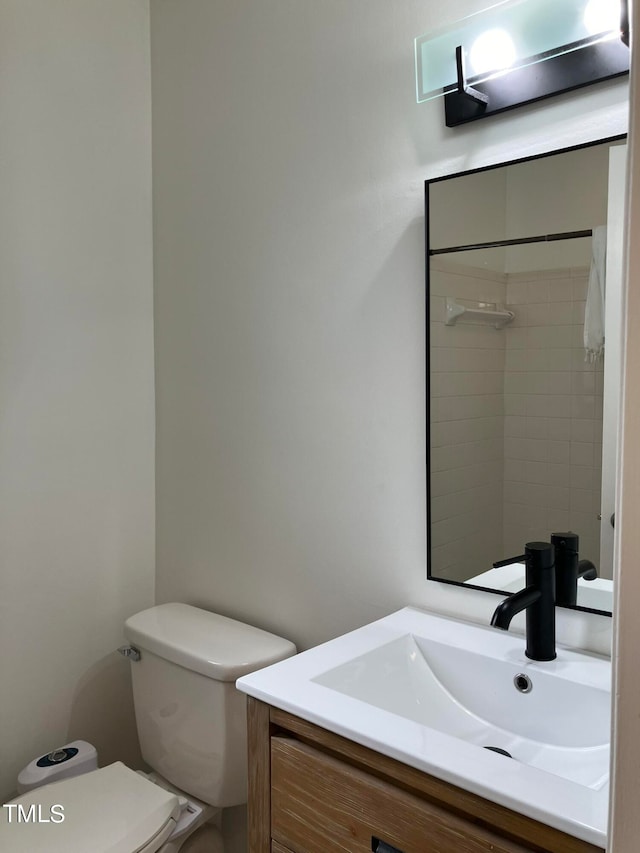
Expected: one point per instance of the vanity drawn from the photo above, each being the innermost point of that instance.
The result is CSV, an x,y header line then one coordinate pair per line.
x,y
424,734
311,791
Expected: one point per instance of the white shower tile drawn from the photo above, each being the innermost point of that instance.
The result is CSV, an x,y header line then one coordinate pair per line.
x,y
559,429
514,470
559,452
517,360
561,290
537,383
537,292
537,428
558,497
536,450
558,383
516,293
584,382
549,406
516,338
517,383
599,382
582,522
582,477
583,429
516,404
582,453
583,406
561,313
559,359
559,474
581,500
557,521
515,426
516,448
536,359
580,286
536,472
539,314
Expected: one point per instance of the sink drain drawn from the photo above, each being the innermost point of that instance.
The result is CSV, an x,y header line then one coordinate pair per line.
x,y
523,683
499,751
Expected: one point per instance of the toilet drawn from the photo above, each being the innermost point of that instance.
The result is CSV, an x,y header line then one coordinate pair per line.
x,y
191,724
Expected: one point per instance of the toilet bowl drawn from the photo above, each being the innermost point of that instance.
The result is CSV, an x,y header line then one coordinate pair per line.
x,y
191,724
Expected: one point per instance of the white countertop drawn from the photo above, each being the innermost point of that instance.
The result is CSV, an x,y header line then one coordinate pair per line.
x,y
573,808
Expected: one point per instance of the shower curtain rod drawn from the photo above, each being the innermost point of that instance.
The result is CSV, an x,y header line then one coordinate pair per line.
x,y
496,244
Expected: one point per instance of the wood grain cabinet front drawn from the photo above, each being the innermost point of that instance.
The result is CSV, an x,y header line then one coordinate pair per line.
x,y
311,791
320,803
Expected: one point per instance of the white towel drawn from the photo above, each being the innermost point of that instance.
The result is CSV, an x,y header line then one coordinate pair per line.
x,y
594,309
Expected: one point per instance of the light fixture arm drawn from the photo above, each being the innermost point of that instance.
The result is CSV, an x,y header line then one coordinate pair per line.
x,y
463,88
464,101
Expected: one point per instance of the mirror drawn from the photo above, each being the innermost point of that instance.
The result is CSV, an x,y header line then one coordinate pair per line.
x,y
522,419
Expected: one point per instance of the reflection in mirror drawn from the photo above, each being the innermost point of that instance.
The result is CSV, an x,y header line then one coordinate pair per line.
x,y
522,400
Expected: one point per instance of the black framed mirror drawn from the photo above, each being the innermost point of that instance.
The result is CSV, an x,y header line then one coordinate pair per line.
x,y
524,270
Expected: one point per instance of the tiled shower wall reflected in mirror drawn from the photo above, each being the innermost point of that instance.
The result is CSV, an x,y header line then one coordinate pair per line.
x,y
516,418
553,414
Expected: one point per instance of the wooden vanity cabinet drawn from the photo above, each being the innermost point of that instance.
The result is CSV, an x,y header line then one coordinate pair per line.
x,y
311,791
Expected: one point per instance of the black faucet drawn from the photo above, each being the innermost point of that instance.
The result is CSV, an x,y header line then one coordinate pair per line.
x,y
569,568
538,598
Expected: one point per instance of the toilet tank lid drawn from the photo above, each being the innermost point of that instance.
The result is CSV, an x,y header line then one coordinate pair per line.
x,y
205,642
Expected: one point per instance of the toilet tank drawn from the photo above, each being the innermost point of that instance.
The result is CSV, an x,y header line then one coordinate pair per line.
x,y
191,719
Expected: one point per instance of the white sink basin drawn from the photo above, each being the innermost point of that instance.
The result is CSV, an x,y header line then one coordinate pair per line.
x,y
474,696
432,692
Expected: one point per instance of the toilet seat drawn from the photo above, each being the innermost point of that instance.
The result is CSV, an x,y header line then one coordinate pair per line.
x,y
111,810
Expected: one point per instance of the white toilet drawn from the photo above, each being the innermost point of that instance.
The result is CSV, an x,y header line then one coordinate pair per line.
x,y
192,727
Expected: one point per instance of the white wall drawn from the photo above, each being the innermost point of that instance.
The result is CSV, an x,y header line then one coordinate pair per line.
x,y
76,370
289,160
470,209
573,198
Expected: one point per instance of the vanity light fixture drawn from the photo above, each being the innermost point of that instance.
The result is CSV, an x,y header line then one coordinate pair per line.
x,y
520,51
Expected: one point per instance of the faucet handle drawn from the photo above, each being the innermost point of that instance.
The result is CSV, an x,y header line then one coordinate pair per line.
x,y
540,554
568,568
499,563
565,542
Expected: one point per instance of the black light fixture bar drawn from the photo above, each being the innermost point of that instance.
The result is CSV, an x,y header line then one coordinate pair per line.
x,y
517,241
579,66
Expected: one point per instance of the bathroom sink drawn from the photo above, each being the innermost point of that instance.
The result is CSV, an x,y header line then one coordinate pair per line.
x,y
488,700
462,702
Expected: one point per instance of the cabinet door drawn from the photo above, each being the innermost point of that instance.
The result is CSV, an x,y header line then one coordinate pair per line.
x,y
319,803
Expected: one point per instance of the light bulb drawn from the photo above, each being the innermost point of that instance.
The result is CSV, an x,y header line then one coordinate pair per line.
x,y
602,16
493,50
